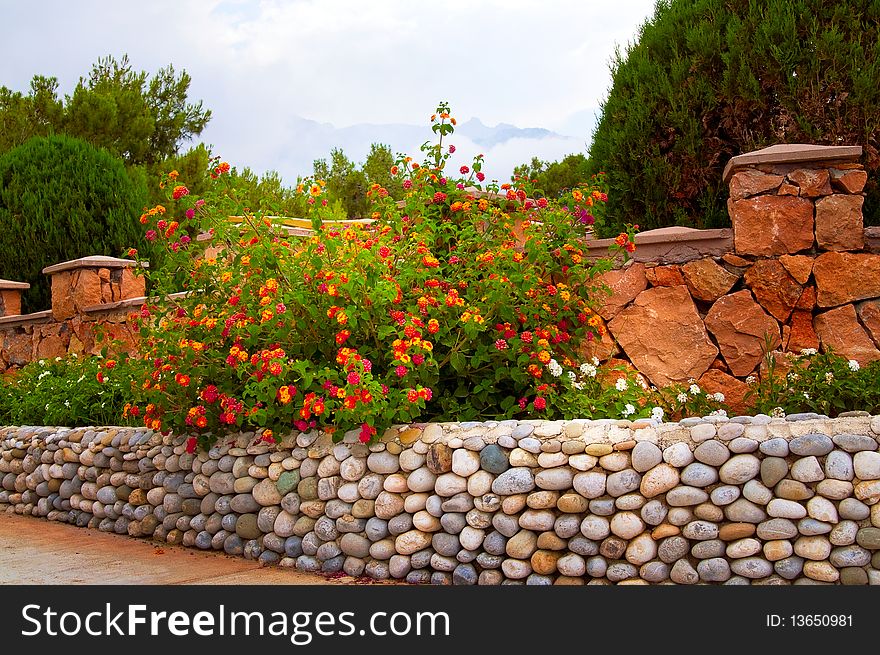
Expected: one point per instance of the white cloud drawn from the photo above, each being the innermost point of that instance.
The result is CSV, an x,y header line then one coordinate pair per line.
x,y
260,65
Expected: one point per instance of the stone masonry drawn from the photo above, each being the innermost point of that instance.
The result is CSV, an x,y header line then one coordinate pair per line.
x,y
739,501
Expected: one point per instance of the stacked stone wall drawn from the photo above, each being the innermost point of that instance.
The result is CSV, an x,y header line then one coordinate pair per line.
x,y
746,500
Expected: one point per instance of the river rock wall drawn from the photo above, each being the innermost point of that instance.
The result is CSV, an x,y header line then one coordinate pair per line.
x,y
745,500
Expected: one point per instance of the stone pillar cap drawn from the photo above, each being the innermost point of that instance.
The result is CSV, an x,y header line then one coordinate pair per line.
x,y
791,153
94,261
11,284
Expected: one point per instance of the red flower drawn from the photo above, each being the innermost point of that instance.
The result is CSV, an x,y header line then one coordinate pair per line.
x,y
182,379
480,176
179,192
439,197
367,432
191,444
540,403
464,170
353,378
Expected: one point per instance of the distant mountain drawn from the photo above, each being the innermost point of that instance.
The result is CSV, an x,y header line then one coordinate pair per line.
x,y
299,141
489,137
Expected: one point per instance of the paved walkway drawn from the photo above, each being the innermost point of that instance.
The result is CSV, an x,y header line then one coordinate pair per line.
x,y
36,551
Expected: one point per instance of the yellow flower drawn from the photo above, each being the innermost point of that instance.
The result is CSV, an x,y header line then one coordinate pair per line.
x,y
543,357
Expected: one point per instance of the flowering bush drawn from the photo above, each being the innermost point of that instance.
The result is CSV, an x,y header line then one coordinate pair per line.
x,y
451,305
825,383
67,391
592,391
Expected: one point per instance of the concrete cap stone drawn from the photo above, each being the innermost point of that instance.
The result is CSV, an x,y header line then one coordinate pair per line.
x,y
93,261
791,153
11,284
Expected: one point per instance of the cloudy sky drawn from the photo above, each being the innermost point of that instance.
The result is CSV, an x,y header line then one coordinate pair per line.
x,y
283,78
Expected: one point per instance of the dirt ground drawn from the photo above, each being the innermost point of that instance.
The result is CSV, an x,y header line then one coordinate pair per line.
x,y
35,551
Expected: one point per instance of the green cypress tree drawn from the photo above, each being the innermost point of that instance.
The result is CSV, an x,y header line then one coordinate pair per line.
x,y
61,198
710,79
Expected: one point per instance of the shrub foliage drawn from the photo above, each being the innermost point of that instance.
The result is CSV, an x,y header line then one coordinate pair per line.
x,y
61,198
710,79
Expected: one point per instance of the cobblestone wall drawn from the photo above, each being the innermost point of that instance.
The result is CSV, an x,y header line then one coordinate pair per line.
x,y
746,500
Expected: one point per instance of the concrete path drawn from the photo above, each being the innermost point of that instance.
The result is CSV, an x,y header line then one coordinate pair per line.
x,y
36,551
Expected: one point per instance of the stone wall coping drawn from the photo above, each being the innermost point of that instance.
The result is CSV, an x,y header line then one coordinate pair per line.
x,y
610,433
650,244
668,235
12,284
129,302
791,153
94,261
17,319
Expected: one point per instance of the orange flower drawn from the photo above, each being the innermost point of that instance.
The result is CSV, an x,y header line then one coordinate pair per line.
x,y
182,379
179,192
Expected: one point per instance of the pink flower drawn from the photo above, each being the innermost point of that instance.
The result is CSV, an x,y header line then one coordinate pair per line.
x,y
385,389
353,378
190,213
459,186
280,308
522,402
464,170
199,202
185,239
407,184
501,344
540,403
400,370
367,364
443,181
418,359
151,235
451,149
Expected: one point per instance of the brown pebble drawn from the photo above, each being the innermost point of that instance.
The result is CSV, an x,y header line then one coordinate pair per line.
x,y
734,531
665,530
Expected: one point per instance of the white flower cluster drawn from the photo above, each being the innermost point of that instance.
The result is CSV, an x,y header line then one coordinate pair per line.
x,y
829,377
777,412
621,384
628,410
43,374
717,397
694,390
806,352
853,365
657,413
718,412
588,370
682,397
554,368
